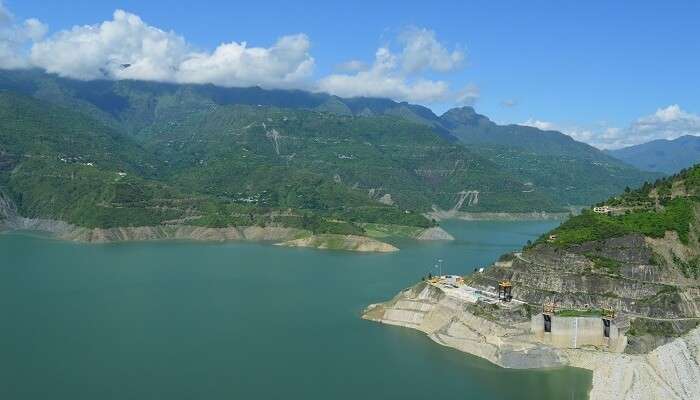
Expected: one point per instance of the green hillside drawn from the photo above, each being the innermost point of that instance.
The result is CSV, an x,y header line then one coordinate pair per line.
x,y
570,172
230,156
238,165
667,205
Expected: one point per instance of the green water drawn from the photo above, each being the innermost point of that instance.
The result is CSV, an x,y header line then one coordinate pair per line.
x,y
240,321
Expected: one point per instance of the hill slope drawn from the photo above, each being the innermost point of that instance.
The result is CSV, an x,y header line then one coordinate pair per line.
x,y
561,169
667,156
571,172
241,166
642,258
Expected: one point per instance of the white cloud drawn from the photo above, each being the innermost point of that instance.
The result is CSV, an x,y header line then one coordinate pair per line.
x,y
422,51
128,48
666,123
16,37
597,136
535,123
469,95
396,75
352,66
286,64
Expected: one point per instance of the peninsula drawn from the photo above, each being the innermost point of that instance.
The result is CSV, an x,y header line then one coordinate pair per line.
x,y
613,290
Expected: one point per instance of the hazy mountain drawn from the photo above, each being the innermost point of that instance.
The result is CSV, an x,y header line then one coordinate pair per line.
x,y
667,156
572,172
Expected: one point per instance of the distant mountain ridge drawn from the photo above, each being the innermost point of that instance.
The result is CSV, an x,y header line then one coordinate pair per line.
x,y
667,156
549,169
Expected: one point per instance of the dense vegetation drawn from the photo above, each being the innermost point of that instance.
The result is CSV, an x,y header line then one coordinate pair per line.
x,y
570,172
667,205
557,169
234,165
127,153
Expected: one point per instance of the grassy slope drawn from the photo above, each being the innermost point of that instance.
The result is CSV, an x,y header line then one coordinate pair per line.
x,y
668,205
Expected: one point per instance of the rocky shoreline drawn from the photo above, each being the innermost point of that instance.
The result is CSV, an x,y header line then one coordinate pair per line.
x,y
671,371
341,242
290,237
441,215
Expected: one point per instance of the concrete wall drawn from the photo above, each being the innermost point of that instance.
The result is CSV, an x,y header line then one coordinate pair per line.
x,y
575,332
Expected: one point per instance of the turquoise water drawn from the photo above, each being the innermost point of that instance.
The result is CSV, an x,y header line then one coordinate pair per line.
x,y
241,321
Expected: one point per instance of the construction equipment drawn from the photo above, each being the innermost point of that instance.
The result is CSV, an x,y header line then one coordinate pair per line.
x,y
549,308
608,313
505,288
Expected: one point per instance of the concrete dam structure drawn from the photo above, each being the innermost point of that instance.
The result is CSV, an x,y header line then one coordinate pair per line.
x,y
577,332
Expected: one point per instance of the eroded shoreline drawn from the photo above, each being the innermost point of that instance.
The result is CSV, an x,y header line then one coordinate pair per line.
x,y
289,237
671,371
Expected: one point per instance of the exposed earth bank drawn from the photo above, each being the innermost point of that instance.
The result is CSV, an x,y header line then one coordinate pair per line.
x,y
671,371
441,215
341,242
290,237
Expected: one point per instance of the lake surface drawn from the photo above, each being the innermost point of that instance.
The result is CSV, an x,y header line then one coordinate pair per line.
x,y
180,320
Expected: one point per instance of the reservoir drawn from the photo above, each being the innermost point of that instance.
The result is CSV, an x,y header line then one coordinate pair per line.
x,y
185,320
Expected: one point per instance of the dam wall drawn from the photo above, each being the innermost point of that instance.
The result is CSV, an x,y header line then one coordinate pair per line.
x,y
577,332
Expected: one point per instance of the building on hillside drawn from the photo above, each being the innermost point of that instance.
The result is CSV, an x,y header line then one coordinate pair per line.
x,y
453,280
602,210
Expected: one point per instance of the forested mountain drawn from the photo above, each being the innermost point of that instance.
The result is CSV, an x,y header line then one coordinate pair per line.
x,y
667,156
570,172
110,153
241,165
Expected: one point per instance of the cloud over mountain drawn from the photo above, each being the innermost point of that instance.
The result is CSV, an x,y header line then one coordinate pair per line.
x,y
15,37
666,123
128,48
398,74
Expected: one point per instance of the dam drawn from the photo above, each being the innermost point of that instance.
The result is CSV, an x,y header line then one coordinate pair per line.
x,y
577,332
566,329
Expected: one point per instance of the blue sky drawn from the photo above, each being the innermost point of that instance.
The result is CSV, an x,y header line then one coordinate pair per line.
x,y
607,72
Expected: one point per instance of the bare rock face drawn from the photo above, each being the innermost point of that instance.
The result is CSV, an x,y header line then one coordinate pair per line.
x,y
671,371
435,233
178,232
501,337
627,279
341,242
7,208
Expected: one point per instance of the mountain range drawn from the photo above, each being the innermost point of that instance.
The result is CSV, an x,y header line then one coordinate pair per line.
x,y
130,153
666,156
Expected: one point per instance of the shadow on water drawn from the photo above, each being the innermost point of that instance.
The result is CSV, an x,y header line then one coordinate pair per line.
x,y
241,320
